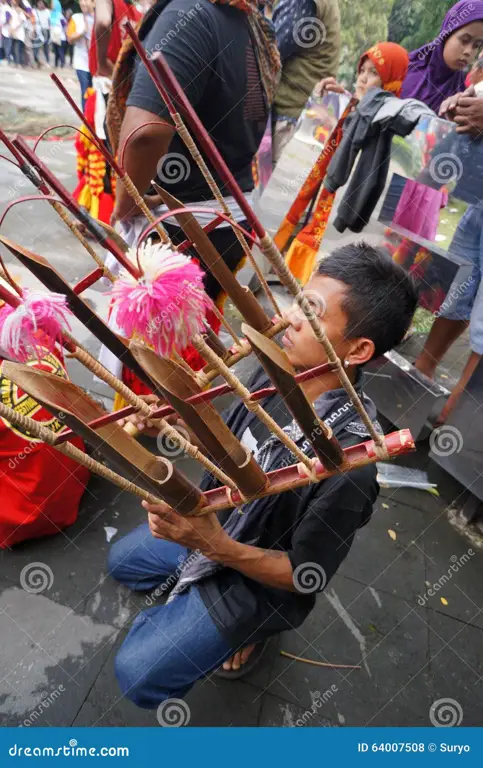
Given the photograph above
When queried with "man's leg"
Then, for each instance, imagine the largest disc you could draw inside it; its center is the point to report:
(168, 649)
(142, 562)
(454, 314)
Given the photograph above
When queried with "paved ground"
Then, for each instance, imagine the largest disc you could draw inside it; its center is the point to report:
(57, 649)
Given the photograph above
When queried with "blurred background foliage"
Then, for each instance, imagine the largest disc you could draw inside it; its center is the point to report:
(411, 23)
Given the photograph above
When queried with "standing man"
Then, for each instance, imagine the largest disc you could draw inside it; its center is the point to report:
(224, 55)
(308, 38)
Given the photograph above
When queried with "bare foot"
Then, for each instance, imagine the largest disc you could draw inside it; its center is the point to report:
(238, 659)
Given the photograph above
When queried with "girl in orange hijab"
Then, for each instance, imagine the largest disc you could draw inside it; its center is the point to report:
(383, 66)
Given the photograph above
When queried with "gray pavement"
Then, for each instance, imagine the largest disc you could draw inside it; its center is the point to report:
(57, 647)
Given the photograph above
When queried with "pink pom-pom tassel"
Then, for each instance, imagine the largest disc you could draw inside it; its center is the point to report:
(167, 306)
(33, 327)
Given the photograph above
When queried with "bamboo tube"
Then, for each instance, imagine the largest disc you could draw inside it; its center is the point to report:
(255, 407)
(273, 254)
(166, 429)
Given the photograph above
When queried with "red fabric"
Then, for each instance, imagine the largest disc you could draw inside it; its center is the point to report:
(121, 13)
(41, 488)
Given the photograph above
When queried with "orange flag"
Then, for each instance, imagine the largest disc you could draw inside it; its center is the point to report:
(311, 185)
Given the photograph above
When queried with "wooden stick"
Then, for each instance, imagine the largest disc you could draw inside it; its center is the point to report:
(172, 86)
(121, 173)
(199, 160)
(273, 254)
(255, 407)
(325, 445)
(93, 226)
(319, 663)
(165, 429)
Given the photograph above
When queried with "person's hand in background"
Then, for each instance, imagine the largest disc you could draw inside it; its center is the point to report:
(329, 85)
(468, 115)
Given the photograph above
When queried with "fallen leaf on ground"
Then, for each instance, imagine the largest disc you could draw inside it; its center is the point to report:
(385, 506)
(443, 600)
(392, 534)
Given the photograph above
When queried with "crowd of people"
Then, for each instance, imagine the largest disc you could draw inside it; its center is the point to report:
(240, 69)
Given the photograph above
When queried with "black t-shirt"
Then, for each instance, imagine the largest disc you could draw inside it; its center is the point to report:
(210, 50)
(315, 525)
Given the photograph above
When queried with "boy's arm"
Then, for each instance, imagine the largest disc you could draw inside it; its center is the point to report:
(204, 533)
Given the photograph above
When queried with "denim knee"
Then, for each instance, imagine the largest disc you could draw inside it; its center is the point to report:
(116, 561)
(145, 684)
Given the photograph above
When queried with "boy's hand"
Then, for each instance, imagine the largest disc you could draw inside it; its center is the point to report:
(204, 532)
(143, 423)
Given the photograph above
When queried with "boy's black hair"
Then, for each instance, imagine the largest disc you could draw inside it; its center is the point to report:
(381, 297)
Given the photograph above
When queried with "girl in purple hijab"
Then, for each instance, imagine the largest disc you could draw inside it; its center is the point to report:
(438, 69)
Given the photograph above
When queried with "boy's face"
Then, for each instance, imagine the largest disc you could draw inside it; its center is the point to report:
(302, 348)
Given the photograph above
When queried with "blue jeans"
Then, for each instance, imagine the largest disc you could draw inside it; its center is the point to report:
(169, 647)
(465, 302)
(7, 47)
(85, 82)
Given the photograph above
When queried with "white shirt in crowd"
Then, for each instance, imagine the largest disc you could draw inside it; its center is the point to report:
(4, 25)
(83, 25)
(44, 18)
(18, 22)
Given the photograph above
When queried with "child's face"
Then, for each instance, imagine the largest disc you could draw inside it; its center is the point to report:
(368, 77)
(326, 296)
(461, 48)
